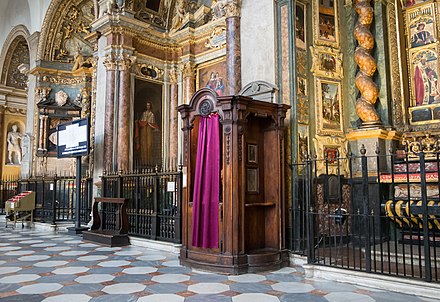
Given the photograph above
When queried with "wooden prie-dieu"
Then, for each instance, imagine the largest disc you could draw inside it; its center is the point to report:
(251, 202)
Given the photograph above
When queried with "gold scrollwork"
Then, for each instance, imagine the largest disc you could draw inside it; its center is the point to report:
(217, 39)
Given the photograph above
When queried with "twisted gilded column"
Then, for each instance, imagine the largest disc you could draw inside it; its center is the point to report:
(173, 117)
(233, 47)
(110, 66)
(367, 65)
(124, 109)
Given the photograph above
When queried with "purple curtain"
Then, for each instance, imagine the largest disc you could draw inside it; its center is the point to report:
(207, 184)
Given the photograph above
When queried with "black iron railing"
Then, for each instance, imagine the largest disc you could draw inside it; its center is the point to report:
(55, 197)
(154, 209)
(8, 189)
(374, 213)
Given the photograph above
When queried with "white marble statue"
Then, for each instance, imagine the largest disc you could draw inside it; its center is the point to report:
(14, 146)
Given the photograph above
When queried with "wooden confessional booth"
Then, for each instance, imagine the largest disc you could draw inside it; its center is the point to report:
(251, 207)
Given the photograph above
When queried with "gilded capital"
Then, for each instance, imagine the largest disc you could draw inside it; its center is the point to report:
(233, 8)
(173, 75)
(109, 62)
(125, 62)
(188, 69)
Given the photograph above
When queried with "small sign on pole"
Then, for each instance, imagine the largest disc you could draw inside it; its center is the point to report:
(73, 141)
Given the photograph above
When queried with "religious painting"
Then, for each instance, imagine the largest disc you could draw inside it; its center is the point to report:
(213, 75)
(425, 89)
(326, 26)
(421, 27)
(329, 107)
(331, 154)
(300, 26)
(147, 145)
(303, 110)
(327, 62)
(411, 3)
(303, 147)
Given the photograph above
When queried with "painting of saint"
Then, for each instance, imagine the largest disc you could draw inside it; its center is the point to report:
(215, 82)
(422, 33)
(425, 78)
(300, 27)
(212, 76)
(327, 27)
(147, 124)
(302, 86)
(330, 106)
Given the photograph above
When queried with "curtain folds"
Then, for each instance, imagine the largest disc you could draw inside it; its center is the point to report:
(207, 184)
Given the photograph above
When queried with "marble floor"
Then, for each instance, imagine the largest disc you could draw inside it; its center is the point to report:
(37, 266)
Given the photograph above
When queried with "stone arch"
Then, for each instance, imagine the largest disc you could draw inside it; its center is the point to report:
(53, 30)
(18, 35)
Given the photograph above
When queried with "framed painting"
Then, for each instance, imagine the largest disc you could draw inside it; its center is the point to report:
(327, 62)
(412, 3)
(147, 137)
(300, 26)
(329, 107)
(421, 26)
(212, 75)
(425, 89)
(326, 31)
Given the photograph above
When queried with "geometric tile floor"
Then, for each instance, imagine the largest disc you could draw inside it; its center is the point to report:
(37, 266)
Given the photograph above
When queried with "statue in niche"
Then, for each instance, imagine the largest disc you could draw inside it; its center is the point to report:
(144, 134)
(14, 146)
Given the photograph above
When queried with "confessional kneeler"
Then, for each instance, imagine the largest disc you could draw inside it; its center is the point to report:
(251, 203)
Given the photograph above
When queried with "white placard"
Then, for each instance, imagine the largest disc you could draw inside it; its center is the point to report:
(171, 186)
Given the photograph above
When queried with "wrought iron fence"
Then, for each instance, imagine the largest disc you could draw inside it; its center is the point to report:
(378, 213)
(55, 197)
(8, 189)
(154, 209)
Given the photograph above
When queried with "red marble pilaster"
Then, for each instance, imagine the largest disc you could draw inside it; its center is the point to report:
(173, 118)
(233, 48)
(189, 81)
(123, 155)
(109, 119)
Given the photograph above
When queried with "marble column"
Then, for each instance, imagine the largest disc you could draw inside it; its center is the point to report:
(233, 47)
(123, 155)
(174, 89)
(189, 84)
(110, 66)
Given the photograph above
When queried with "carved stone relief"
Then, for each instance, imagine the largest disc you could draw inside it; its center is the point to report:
(17, 55)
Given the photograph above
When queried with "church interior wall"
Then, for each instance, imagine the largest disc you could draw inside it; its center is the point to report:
(258, 41)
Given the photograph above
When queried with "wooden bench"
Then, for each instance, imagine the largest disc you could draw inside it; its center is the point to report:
(98, 233)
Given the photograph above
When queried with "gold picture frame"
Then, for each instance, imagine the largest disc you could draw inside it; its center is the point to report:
(326, 27)
(329, 107)
(327, 62)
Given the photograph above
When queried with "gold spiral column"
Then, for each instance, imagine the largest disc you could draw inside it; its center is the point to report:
(367, 65)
